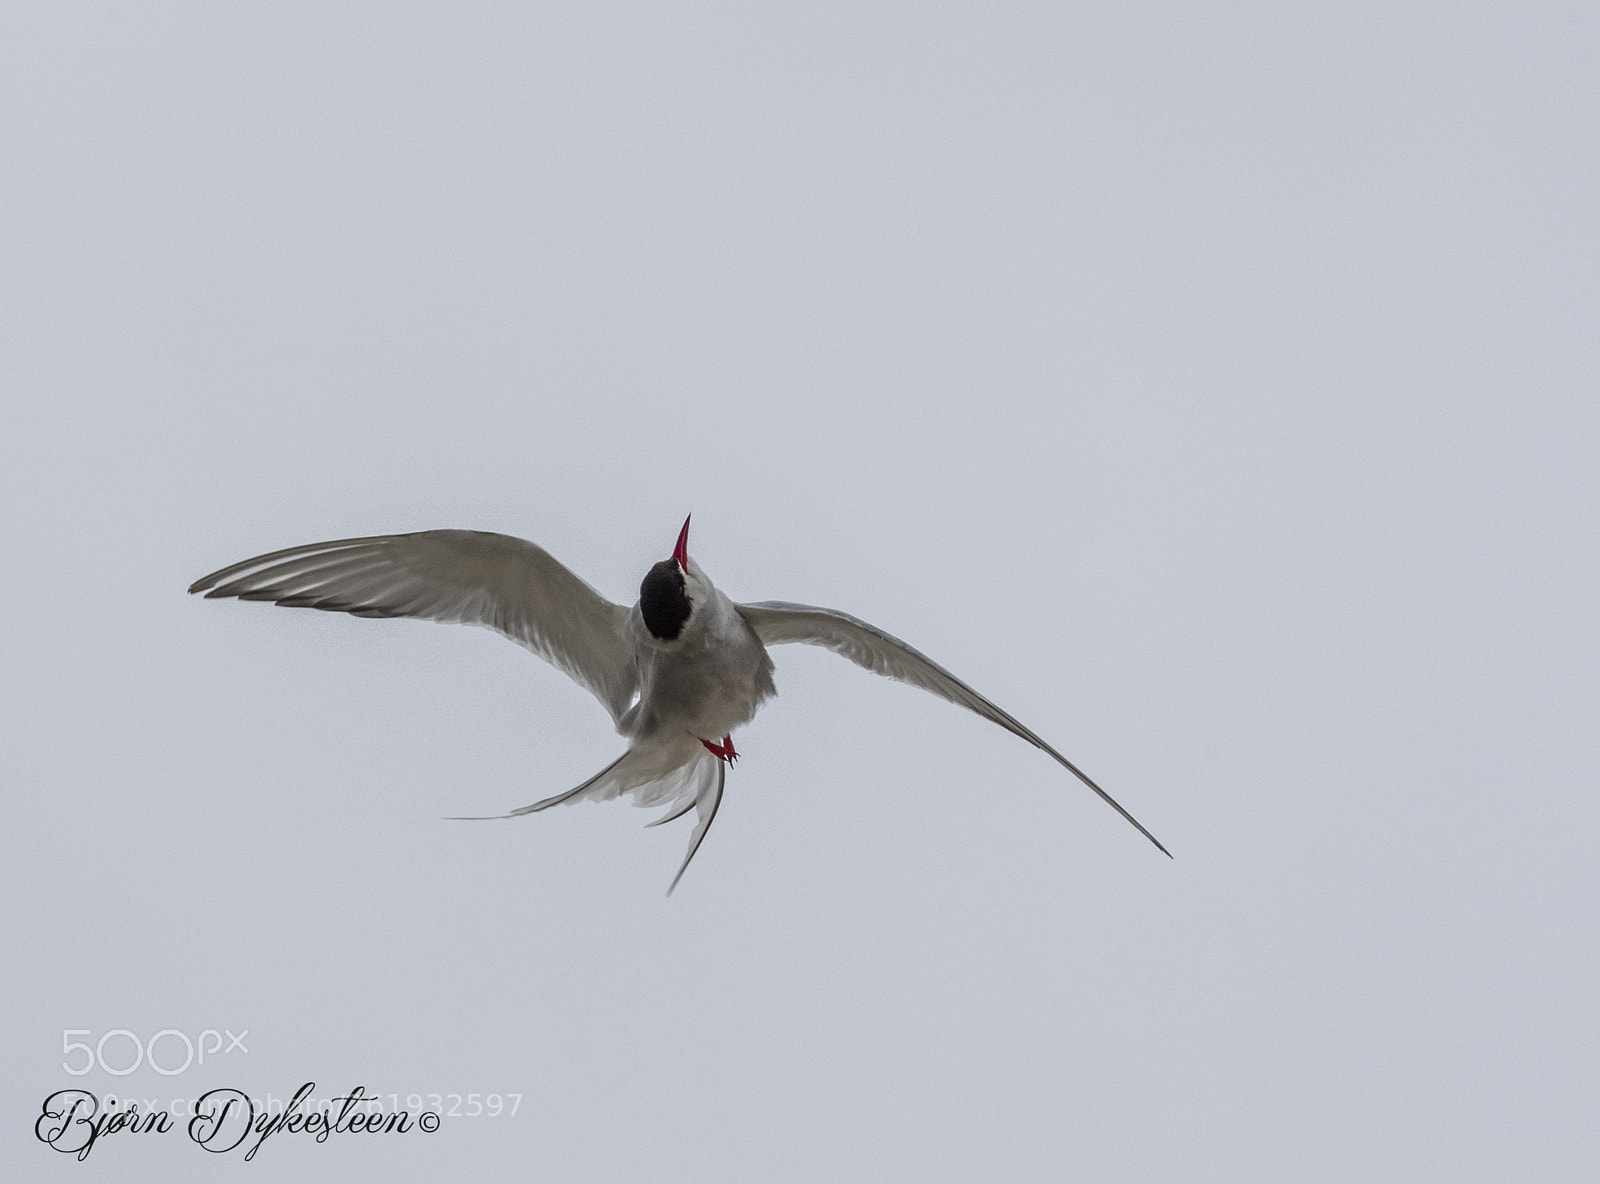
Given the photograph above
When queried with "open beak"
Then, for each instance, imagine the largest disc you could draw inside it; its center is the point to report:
(681, 551)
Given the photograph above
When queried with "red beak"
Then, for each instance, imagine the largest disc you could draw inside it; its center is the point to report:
(681, 551)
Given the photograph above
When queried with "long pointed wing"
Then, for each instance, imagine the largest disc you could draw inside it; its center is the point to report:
(777, 622)
(467, 576)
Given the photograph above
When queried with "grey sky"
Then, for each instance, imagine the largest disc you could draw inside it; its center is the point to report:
(1215, 390)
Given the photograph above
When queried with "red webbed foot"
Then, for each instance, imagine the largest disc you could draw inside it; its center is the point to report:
(723, 751)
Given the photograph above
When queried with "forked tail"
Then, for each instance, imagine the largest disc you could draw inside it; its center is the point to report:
(681, 776)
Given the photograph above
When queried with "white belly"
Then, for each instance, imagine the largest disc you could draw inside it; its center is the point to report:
(706, 684)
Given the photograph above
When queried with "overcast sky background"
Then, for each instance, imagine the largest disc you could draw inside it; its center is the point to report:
(1213, 388)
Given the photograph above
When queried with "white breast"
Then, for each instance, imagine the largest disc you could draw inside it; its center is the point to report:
(707, 682)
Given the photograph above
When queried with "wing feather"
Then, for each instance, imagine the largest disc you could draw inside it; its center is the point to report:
(779, 622)
(467, 576)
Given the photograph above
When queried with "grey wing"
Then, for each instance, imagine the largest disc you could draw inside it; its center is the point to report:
(467, 576)
(777, 622)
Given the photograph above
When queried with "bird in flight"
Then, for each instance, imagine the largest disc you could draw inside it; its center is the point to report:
(678, 672)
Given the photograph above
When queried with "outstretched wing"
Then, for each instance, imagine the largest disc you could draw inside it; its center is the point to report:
(777, 622)
(653, 775)
(467, 576)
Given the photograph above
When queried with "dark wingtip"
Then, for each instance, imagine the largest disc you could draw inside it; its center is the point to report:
(1145, 833)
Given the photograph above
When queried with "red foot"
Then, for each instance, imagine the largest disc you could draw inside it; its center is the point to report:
(723, 751)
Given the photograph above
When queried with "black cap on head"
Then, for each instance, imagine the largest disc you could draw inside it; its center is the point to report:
(664, 601)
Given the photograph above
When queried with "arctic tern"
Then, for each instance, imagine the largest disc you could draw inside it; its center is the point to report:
(678, 672)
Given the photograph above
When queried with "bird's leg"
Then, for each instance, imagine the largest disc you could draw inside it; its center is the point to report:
(723, 751)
